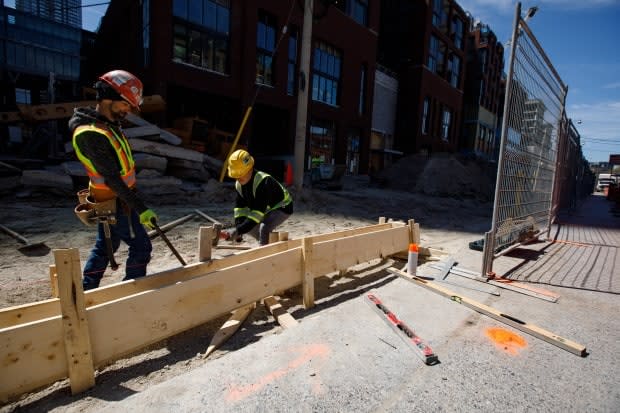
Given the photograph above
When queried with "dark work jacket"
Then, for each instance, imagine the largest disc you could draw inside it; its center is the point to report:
(268, 193)
(98, 149)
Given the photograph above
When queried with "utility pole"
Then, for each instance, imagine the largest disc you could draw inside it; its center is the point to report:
(302, 96)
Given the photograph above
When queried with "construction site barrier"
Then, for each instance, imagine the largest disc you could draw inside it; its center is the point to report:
(74, 334)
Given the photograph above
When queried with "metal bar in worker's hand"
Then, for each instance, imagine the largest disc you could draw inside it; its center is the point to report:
(167, 241)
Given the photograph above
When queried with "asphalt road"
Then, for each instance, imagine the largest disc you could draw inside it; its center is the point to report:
(343, 357)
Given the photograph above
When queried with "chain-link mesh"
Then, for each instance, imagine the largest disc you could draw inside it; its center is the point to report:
(528, 153)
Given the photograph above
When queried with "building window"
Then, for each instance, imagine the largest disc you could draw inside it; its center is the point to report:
(359, 11)
(353, 151)
(445, 124)
(454, 70)
(202, 40)
(322, 135)
(457, 32)
(265, 48)
(326, 74)
(362, 97)
(292, 63)
(438, 14)
(426, 113)
(146, 32)
(212, 14)
(22, 96)
(356, 9)
(433, 54)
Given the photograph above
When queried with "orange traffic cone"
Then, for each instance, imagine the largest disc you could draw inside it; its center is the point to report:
(288, 174)
(412, 259)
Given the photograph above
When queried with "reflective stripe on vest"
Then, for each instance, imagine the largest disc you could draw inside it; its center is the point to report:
(256, 215)
(123, 153)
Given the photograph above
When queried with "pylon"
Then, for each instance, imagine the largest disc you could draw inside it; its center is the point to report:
(412, 259)
(288, 174)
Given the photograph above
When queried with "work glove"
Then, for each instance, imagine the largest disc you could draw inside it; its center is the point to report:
(148, 218)
(231, 236)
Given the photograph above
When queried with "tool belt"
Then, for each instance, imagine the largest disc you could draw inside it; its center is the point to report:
(89, 211)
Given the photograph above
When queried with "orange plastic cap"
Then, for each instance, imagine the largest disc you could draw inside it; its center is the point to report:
(413, 247)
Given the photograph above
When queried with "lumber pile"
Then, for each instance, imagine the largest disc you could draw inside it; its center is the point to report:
(196, 155)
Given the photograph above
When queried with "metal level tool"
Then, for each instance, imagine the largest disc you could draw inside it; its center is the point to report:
(403, 331)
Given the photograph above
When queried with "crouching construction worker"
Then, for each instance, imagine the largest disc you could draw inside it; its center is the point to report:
(105, 153)
(262, 202)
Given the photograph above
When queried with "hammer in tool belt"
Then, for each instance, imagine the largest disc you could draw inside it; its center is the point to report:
(106, 221)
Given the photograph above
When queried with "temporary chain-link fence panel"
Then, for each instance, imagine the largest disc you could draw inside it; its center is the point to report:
(534, 108)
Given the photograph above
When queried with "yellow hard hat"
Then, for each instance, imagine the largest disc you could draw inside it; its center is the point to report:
(240, 163)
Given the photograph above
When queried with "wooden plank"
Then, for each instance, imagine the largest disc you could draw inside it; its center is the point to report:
(229, 328)
(516, 287)
(512, 321)
(279, 313)
(49, 308)
(345, 252)
(74, 321)
(157, 307)
(205, 242)
(32, 356)
(307, 280)
(154, 315)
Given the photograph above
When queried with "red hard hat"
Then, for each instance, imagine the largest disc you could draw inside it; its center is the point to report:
(125, 84)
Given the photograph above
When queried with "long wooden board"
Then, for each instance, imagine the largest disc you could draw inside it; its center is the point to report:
(31, 352)
(512, 321)
(26, 313)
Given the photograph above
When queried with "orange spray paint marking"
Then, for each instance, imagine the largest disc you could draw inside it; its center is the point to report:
(236, 393)
(506, 340)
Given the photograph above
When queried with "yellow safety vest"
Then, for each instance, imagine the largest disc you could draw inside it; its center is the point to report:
(98, 189)
(254, 214)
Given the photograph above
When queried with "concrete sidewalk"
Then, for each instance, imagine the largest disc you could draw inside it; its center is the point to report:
(342, 357)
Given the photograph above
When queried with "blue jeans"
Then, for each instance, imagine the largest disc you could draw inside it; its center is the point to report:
(139, 253)
(272, 220)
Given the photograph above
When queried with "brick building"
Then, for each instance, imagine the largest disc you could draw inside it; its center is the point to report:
(484, 91)
(424, 43)
(213, 58)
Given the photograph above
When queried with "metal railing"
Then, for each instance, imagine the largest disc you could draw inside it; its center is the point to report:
(533, 112)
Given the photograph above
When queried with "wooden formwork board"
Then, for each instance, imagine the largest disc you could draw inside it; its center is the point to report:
(48, 308)
(33, 354)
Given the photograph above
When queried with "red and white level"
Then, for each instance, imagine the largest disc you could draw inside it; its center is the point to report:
(404, 332)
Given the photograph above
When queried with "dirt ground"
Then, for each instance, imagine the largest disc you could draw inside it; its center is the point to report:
(447, 223)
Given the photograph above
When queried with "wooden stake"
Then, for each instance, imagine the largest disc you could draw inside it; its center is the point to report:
(205, 241)
(538, 332)
(307, 283)
(229, 327)
(74, 320)
(279, 313)
(54, 281)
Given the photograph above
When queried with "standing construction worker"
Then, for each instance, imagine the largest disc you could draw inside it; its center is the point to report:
(105, 153)
(262, 202)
